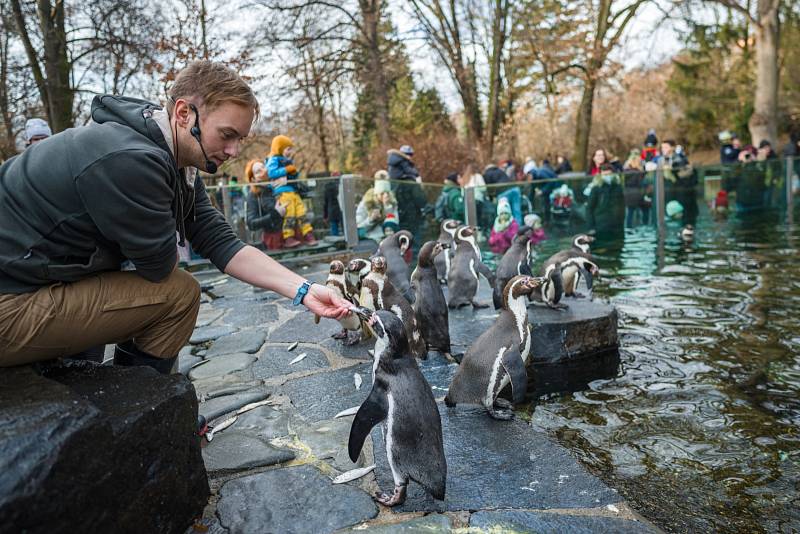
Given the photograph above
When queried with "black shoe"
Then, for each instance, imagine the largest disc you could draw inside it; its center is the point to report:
(94, 354)
(126, 354)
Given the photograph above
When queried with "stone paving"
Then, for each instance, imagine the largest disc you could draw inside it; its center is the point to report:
(272, 469)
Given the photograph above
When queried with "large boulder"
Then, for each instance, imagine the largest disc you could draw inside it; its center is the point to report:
(89, 448)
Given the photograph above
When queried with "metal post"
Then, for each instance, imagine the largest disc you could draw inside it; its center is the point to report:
(347, 192)
(660, 204)
(226, 203)
(470, 208)
(789, 190)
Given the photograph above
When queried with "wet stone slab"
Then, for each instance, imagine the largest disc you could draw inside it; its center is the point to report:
(248, 313)
(274, 361)
(207, 315)
(302, 328)
(585, 327)
(521, 521)
(249, 341)
(264, 422)
(220, 406)
(328, 441)
(429, 524)
(499, 464)
(235, 451)
(224, 365)
(209, 333)
(291, 500)
(439, 372)
(323, 395)
(359, 351)
(467, 325)
(186, 361)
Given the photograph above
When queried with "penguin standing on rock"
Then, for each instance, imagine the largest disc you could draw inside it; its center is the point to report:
(571, 271)
(552, 288)
(402, 398)
(579, 249)
(430, 306)
(350, 324)
(499, 356)
(394, 248)
(515, 261)
(462, 280)
(377, 292)
(442, 261)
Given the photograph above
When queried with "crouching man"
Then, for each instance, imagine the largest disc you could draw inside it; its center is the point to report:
(76, 206)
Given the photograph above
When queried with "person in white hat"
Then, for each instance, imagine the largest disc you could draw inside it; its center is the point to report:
(36, 130)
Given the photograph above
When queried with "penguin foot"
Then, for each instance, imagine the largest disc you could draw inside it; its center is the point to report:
(578, 295)
(398, 497)
(340, 335)
(501, 415)
(560, 306)
(504, 404)
(479, 305)
(351, 340)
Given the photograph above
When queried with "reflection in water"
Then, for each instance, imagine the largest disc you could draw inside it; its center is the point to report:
(699, 430)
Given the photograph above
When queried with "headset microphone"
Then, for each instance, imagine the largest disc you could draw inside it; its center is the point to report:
(211, 167)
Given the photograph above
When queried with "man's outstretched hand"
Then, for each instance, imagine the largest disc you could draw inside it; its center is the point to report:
(325, 303)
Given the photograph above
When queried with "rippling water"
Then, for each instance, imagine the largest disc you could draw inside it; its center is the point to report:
(699, 430)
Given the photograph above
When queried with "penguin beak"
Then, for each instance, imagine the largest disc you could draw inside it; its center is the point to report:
(444, 246)
(362, 312)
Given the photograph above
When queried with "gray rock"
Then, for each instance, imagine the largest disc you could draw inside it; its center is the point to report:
(522, 521)
(264, 422)
(274, 361)
(87, 448)
(208, 333)
(302, 328)
(186, 351)
(359, 351)
(231, 288)
(248, 341)
(186, 361)
(247, 313)
(234, 451)
(429, 524)
(439, 372)
(499, 464)
(224, 365)
(291, 500)
(328, 441)
(207, 315)
(323, 395)
(585, 327)
(214, 408)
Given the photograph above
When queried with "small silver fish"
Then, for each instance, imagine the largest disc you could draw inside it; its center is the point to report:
(358, 380)
(345, 413)
(198, 364)
(353, 474)
(220, 427)
(300, 357)
(293, 346)
(251, 406)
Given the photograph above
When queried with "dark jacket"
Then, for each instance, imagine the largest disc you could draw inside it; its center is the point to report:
(636, 184)
(261, 212)
(606, 208)
(331, 211)
(493, 174)
(86, 199)
(564, 166)
(410, 198)
(400, 166)
(728, 155)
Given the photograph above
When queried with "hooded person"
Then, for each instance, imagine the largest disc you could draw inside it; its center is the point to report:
(36, 130)
(504, 229)
(405, 185)
(533, 221)
(284, 175)
(450, 204)
(376, 214)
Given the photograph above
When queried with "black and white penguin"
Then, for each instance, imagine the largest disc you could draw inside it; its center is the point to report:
(551, 289)
(579, 249)
(401, 398)
(351, 325)
(430, 306)
(571, 271)
(378, 293)
(394, 248)
(687, 233)
(462, 280)
(442, 261)
(515, 261)
(499, 356)
(357, 269)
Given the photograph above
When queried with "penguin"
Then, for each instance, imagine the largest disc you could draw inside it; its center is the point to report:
(430, 306)
(394, 248)
(571, 271)
(401, 398)
(499, 356)
(378, 292)
(462, 280)
(337, 283)
(442, 261)
(551, 289)
(514, 262)
(687, 233)
(357, 269)
(579, 249)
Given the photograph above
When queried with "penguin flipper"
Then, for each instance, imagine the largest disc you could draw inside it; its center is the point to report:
(588, 276)
(371, 412)
(525, 268)
(485, 271)
(515, 367)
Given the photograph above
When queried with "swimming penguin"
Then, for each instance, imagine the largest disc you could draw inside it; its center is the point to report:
(571, 271)
(551, 289)
(394, 248)
(442, 261)
(402, 398)
(378, 293)
(462, 280)
(514, 262)
(498, 356)
(687, 233)
(350, 324)
(430, 307)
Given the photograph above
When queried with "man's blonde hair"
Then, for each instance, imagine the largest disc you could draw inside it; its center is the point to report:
(213, 84)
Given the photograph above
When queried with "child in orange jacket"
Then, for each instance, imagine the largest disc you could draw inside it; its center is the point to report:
(283, 175)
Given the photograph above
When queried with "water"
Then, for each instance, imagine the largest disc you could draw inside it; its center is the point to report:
(699, 430)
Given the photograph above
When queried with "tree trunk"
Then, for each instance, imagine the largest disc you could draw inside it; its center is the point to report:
(763, 122)
(583, 124)
(375, 75)
(468, 91)
(495, 79)
(57, 67)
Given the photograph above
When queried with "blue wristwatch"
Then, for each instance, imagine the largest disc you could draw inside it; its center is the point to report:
(302, 291)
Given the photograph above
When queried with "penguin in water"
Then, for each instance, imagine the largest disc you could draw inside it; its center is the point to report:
(571, 272)
(515, 261)
(402, 398)
(462, 280)
(430, 307)
(394, 248)
(551, 289)
(499, 356)
(351, 324)
(442, 261)
(687, 233)
(377, 292)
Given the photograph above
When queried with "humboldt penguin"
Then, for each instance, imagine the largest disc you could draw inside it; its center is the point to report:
(515, 261)
(499, 356)
(394, 248)
(442, 261)
(338, 285)
(551, 289)
(430, 306)
(579, 249)
(378, 293)
(462, 280)
(571, 271)
(402, 398)
(357, 269)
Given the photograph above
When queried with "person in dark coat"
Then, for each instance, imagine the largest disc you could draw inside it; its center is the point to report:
(637, 190)
(493, 174)
(411, 200)
(680, 179)
(728, 154)
(264, 212)
(606, 207)
(563, 165)
(331, 210)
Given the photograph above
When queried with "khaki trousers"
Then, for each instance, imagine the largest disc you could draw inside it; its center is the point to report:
(67, 318)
